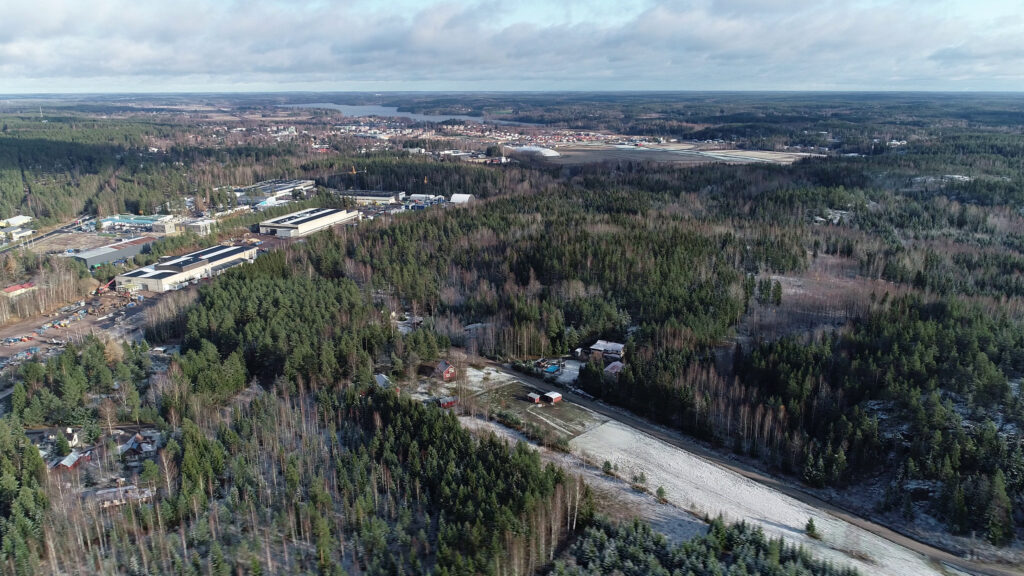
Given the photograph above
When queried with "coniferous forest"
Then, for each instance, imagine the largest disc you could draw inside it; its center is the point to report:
(851, 322)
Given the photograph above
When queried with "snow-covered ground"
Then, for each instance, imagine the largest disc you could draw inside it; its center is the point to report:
(617, 498)
(478, 380)
(570, 372)
(701, 487)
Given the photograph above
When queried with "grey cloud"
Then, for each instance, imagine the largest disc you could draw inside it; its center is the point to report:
(731, 44)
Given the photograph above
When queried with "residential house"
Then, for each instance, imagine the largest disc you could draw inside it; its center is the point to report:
(607, 351)
(445, 371)
(136, 449)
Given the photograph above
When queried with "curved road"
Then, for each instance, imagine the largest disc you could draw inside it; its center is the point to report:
(934, 554)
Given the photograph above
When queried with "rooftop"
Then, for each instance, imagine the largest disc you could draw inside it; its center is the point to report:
(116, 246)
(301, 217)
(174, 266)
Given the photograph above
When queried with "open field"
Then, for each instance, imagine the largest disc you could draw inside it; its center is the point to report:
(673, 152)
(617, 498)
(701, 487)
(694, 486)
(563, 419)
(79, 241)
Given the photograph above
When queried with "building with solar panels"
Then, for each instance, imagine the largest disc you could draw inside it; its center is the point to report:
(175, 272)
(306, 222)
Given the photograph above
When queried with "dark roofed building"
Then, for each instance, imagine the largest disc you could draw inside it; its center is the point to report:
(445, 371)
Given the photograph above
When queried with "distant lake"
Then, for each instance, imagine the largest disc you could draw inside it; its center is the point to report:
(391, 111)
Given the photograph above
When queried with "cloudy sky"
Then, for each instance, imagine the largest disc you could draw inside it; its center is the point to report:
(256, 45)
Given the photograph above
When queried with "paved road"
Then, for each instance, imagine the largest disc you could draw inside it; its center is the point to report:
(934, 554)
(30, 241)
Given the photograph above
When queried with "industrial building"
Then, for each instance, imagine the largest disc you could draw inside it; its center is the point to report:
(129, 221)
(306, 222)
(113, 252)
(174, 272)
(373, 196)
(426, 199)
(461, 198)
(201, 227)
(15, 221)
(15, 232)
(273, 190)
(166, 227)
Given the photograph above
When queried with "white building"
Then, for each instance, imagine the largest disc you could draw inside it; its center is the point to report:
(274, 191)
(373, 196)
(461, 198)
(173, 273)
(201, 227)
(306, 222)
(15, 221)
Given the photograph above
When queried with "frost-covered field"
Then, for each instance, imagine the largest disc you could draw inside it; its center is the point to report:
(617, 498)
(701, 487)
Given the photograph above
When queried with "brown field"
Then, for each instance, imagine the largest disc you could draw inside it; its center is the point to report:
(75, 240)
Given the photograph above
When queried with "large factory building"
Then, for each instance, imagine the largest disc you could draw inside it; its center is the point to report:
(306, 222)
(174, 272)
(113, 252)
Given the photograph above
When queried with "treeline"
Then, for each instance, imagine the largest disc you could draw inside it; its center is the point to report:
(636, 550)
(421, 175)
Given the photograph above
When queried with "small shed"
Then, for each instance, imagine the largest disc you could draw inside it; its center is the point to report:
(447, 401)
(553, 397)
(445, 371)
(612, 370)
(533, 397)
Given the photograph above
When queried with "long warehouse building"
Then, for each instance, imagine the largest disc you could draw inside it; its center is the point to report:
(113, 252)
(306, 222)
(373, 196)
(174, 272)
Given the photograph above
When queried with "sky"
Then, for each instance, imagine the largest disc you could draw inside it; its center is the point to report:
(71, 46)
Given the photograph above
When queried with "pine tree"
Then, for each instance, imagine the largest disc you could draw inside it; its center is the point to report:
(999, 515)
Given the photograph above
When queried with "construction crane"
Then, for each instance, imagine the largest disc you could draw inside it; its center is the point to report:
(104, 287)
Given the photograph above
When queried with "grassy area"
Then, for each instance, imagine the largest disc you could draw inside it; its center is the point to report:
(552, 424)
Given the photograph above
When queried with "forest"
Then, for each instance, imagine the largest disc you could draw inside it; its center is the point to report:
(849, 321)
